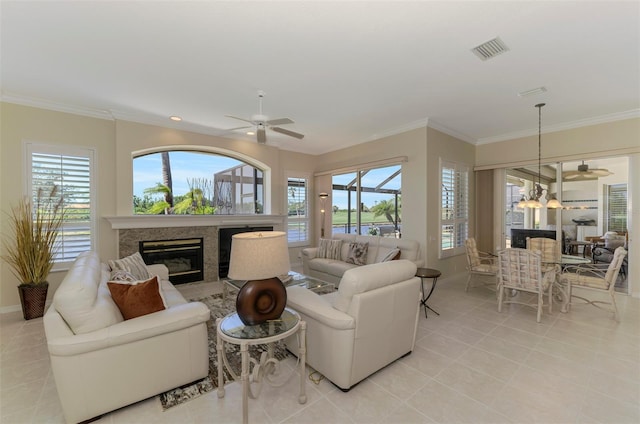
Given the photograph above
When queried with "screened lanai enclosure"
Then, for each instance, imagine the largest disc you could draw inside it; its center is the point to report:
(368, 202)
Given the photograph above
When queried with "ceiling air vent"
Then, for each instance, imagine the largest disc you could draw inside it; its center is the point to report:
(491, 48)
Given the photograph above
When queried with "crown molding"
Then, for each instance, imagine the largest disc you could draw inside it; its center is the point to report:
(453, 133)
(603, 119)
(165, 122)
(144, 118)
(55, 106)
(421, 123)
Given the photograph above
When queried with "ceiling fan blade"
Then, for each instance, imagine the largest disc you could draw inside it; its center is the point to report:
(289, 133)
(571, 175)
(280, 121)
(262, 137)
(240, 119)
(601, 172)
(240, 128)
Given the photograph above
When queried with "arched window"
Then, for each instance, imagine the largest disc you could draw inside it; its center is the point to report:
(196, 183)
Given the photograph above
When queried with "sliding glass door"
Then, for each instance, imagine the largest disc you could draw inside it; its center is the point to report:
(593, 197)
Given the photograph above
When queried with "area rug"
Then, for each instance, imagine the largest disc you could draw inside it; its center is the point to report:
(219, 308)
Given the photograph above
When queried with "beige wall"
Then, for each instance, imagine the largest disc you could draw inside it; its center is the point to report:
(412, 144)
(114, 142)
(445, 147)
(603, 140)
(484, 194)
(22, 123)
(620, 138)
(299, 164)
(133, 138)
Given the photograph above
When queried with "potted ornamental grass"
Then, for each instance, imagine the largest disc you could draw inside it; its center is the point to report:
(30, 247)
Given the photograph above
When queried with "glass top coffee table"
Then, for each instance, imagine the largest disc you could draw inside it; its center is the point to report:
(291, 279)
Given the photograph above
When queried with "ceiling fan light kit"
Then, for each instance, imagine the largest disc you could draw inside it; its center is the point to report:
(262, 123)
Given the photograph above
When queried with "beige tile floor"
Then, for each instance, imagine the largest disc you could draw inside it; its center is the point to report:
(471, 364)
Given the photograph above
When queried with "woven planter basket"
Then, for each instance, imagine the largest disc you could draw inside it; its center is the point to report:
(33, 298)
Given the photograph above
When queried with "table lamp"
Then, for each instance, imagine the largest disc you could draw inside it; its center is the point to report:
(259, 258)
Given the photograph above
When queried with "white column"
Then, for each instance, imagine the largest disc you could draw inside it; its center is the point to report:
(633, 224)
(499, 208)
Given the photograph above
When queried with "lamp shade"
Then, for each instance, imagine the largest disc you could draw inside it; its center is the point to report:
(259, 255)
(554, 203)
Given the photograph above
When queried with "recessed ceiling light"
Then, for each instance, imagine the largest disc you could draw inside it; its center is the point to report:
(532, 92)
(175, 118)
(251, 133)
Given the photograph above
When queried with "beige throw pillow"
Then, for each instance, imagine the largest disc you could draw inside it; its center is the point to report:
(134, 264)
(329, 249)
(357, 253)
(392, 255)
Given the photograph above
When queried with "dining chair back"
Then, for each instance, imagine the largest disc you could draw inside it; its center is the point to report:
(522, 270)
(480, 264)
(550, 249)
(597, 277)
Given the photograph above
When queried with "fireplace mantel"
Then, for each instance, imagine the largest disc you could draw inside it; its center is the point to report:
(164, 221)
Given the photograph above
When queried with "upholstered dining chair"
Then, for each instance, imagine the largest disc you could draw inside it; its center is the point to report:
(480, 264)
(596, 277)
(522, 270)
(550, 249)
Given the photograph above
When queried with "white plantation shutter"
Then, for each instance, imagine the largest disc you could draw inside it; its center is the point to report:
(454, 208)
(297, 210)
(71, 170)
(617, 207)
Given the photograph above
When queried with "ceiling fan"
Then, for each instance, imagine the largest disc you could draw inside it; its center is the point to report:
(262, 123)
(584, 173)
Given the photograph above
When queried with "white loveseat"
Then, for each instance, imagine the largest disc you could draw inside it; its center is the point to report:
(331, 270)
(368, 323)
(101, 362)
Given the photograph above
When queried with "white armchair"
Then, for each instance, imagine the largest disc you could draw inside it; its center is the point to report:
(368, 323)
(101, 362)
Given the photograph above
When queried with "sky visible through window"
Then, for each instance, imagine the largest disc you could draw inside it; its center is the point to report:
(372, 179)
(147, 170)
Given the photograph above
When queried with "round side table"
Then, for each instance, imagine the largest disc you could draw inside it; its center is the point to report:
(428, 273)
(231, 329)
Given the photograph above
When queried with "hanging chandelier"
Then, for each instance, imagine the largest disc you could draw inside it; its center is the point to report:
(533, 201)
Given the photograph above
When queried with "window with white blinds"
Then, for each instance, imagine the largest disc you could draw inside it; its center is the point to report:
(454, 208)
(70, 169)
(617, 207)
(297, 210)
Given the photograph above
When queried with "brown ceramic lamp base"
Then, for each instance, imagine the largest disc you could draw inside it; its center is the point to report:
(259, 301)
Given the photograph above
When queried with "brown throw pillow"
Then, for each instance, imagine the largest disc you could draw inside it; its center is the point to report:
(135, 300)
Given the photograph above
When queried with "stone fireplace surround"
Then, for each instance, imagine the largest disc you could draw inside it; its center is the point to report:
(133, 229)
(128, 241)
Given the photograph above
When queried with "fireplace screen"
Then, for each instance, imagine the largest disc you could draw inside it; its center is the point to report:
(183, 257)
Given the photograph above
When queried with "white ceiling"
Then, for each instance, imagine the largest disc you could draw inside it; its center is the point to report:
(345, 72)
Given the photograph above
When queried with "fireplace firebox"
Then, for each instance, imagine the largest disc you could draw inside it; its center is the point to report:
(183, 257)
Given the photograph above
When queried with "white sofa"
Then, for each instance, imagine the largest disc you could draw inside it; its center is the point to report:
(101, 362)
(331, 270)
(368, 323)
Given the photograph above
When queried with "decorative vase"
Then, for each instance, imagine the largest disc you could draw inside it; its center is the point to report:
(33, 298)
